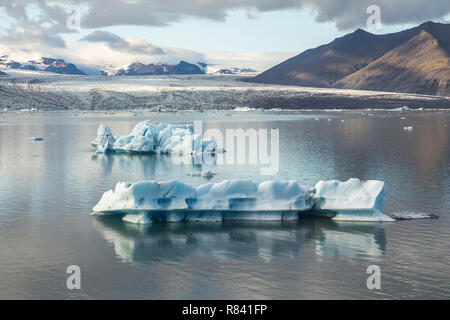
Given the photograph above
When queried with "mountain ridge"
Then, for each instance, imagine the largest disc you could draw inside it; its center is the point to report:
(44, 64)
(414, 66)
(328, 64)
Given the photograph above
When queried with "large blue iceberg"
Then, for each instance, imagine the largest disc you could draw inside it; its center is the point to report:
(147, 137)
(175, 201)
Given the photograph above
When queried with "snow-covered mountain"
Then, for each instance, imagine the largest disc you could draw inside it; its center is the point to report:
(135, 69)
(223, 69)
(141, 69)
(44, 64)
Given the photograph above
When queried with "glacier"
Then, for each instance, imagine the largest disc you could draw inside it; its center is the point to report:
(174, 201)
(147, 137)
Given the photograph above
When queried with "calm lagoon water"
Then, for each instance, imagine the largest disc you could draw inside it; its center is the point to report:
(48, 188)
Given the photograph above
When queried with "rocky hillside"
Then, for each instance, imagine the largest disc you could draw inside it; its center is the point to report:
(420, 65)
(414, 61)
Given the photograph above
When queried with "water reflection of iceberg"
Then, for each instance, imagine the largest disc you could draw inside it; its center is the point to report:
(150, 165)
(239, 240)
(351, 240)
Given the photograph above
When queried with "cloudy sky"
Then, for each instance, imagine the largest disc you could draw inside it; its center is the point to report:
(247, 33)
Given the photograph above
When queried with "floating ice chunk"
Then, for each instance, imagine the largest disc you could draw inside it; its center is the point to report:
(244, 200)
(105, 139)
(207, 174)
(410, 128)
(351, 200)
(404, 108)
(227, 200)
(414, 215)
(361, 215)
(244, 109)
(36, 139)
(155, 138)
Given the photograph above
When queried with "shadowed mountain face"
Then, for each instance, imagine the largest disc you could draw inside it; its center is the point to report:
(60, 66)
(345, 62)
(421, 65)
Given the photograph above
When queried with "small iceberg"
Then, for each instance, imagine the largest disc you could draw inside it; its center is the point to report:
(175, 201)
(404, 108)
(147, 137)
(207, 174)
(36, 139)
(244, 109)
(414, 215)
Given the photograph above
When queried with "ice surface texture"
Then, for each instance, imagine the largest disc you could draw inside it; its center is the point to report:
(352, 199)
(172, 201)
(156, 138)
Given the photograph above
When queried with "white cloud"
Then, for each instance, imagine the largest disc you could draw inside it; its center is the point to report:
(34, 27)
(259, 61)
(115, 42)
(347, 14)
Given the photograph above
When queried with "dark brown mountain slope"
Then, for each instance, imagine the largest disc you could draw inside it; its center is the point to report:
(324, 66)
(421, 65)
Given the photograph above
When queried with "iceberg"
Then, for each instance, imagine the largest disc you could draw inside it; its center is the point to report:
(36, 139)
(244, 109)
(105, 139)
(351, 200)
(404, 108)
(173, 201)
(147, 137)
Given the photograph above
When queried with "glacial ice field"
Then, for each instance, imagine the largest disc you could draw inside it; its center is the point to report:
(24, 89)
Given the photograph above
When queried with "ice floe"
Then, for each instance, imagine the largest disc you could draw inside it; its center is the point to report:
(154, 138)
(244, 109)
(36, 139)
(173, 201)
(414, 215)
(404, 108)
